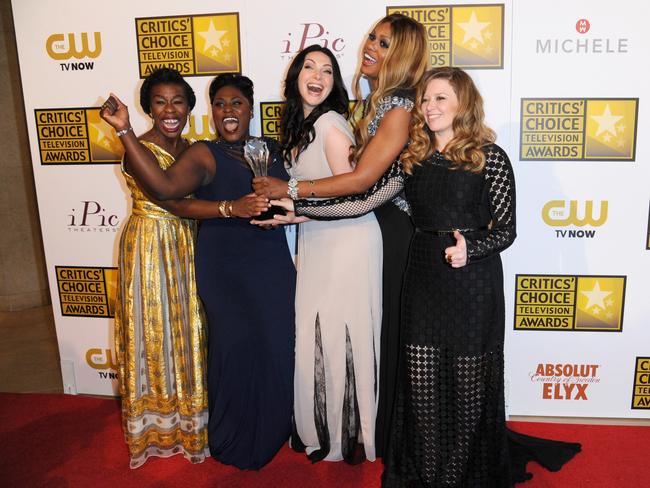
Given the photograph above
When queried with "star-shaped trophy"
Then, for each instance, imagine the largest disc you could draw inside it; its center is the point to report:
(256, 154)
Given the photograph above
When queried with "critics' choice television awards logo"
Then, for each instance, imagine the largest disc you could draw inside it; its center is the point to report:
(102, 360)
(575, 219)
(578, 129)
(582, 41)
(195, 45)
(565, 381)
(641, 392)
(87, 291)
(91, 216)
(466, 36)
(72, 49)
(564, 302)
(76, 136)
(271, 115)
(311, 33)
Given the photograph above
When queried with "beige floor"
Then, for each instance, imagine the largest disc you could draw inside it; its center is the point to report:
(29, 361)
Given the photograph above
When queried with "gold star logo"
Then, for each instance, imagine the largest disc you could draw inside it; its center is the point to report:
(473, 28)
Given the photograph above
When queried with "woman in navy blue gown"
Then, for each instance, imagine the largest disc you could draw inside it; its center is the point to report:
(245, 278)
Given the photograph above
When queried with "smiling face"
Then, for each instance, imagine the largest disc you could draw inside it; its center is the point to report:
(440, 107)
(375, 50)
(169, 109)
(315, 80)
(231, 113)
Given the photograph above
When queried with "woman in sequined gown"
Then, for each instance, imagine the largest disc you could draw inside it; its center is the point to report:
(159, 326)
(394, 59)
(245, 278)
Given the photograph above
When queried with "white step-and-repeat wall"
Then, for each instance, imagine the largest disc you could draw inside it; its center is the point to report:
(565, 85)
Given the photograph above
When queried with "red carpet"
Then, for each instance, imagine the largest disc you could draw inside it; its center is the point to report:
(73, 441)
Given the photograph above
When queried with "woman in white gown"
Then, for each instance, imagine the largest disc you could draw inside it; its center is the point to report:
(338, 291)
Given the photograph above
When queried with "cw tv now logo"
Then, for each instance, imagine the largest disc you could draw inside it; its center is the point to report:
(62, 47)
(570, 216)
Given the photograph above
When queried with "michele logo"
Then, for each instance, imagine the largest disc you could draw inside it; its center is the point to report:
(585, 44)
(583, 26)
(309, 33)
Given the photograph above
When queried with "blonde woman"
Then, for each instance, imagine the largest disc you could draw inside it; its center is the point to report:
(449, 428)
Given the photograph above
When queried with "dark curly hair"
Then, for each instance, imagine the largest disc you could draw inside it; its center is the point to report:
(241, 82)
(164, 76)
(298, 131)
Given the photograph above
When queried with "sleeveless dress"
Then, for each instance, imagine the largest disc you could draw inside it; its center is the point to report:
(159, 332)
(246, 280)
(396, 230)
(338, 320)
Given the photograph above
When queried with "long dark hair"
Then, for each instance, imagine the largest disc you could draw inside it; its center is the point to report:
(298, 131)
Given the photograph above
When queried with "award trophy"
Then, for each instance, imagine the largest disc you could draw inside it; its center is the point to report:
(256, 154)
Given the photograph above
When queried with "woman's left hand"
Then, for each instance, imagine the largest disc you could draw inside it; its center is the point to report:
(270, 187)
(456, 256)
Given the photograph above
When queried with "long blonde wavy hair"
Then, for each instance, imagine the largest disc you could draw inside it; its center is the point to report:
(470, 131)
(404, 64)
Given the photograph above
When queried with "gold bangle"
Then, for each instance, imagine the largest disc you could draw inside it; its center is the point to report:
(222, 209)
(230, 202)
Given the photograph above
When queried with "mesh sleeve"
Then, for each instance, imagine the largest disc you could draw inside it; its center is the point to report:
(385, 189)
(501, 187)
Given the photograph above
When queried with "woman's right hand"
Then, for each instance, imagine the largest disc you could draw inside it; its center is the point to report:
(270, 187)
(115, 113)
(249, 205)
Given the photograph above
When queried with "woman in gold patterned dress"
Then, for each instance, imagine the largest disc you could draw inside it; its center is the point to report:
(160, 336)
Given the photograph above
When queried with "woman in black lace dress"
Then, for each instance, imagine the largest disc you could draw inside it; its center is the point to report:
(449, 427)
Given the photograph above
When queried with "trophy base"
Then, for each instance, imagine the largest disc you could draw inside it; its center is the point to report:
(274, 210)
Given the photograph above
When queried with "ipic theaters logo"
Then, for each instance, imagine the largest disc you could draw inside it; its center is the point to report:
(308, 34)
(76, 136)
(466, 36)
(565, 302)
(64, 47)
(195, 45)
(87, 291)
(578, 129)
(568, 217)
(91, 216)
(581, 42)
(641, 395)
(565, 381)
(102, 360)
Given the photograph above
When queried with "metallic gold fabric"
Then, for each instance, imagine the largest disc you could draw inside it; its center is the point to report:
(160, 333)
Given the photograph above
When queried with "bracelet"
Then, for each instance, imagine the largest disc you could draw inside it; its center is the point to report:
(292, 189)
(312, 193)
(222, 208)
(122, 132)
(230, 202)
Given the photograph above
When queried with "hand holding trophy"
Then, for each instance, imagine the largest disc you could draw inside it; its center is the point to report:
(256, 154)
